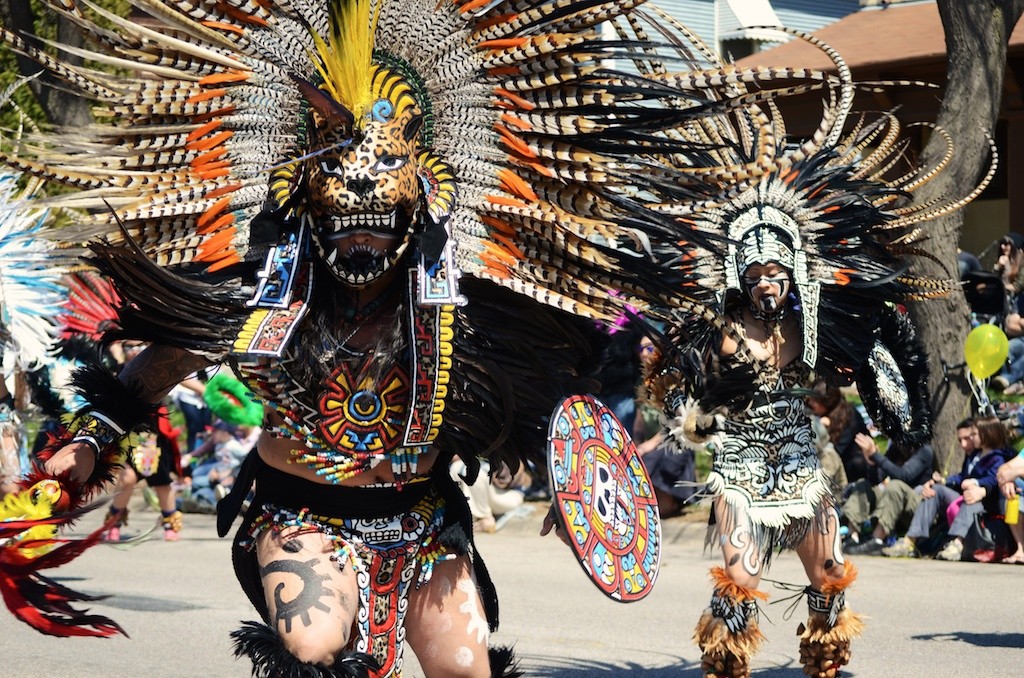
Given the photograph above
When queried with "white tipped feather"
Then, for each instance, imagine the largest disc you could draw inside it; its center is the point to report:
(30, 288)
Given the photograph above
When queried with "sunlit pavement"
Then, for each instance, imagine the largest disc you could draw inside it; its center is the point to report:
(179, 601)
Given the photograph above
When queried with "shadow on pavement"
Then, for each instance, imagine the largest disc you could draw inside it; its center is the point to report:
(1008, 640)
(147, 604)
(548, 667)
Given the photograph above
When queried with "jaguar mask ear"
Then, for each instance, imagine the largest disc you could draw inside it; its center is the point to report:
(334, 115)
(413, 128)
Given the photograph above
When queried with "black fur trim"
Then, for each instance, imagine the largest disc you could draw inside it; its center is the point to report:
(905, 415)
(114, 399)
(270, 659)
(503, 662)
(514, 361)
(186, 311)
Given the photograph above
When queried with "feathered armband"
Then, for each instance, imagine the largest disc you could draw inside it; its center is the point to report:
(114, 412)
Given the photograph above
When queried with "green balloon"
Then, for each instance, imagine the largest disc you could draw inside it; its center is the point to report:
(985, 350)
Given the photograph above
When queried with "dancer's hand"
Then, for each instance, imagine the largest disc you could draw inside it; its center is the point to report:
(551, 522)
(77, 459)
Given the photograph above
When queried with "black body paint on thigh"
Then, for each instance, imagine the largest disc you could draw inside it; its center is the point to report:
(313, 590)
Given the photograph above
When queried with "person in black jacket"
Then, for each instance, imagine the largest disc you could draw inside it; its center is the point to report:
(889, 492)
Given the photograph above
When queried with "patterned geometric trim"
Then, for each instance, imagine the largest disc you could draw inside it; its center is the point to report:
(829, 606)
(96, 430)
(432, 362)
(735, 614)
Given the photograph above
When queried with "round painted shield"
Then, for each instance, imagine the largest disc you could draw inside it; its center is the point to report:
(604, 498)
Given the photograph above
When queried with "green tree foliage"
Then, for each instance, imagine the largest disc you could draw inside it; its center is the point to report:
(43, 104)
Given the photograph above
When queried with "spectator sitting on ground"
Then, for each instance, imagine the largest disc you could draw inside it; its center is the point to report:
(188, 397)
(491, 496)
(967, 263)
(1008, 264)
(829, 460)
(976, 483)
(888, 496)
(1010, 379)
(211, 477)
(1010, 477)
(843, 422)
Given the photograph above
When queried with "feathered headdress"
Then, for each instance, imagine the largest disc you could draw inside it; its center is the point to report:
(836, 209)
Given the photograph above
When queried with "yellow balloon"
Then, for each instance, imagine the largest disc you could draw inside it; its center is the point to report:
(985, 350)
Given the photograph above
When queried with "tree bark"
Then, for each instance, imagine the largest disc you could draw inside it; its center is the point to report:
(977, 33)
(62, 108)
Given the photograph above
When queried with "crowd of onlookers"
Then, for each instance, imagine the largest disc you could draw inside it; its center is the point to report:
(902, 507)
(900, 503)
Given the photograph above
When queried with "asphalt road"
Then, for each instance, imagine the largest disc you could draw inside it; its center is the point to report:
(179, 601)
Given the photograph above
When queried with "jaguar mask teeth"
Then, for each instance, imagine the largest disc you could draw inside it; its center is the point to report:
(340, 225)
(362, 263)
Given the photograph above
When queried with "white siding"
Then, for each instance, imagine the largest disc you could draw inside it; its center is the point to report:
(810, 15)
(698, 15)
(805, 15)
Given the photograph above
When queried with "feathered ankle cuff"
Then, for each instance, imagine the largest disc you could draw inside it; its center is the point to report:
(270, 658)
(825, 639)
(727, 633)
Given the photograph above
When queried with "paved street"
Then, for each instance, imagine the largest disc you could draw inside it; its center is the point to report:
(179, 601)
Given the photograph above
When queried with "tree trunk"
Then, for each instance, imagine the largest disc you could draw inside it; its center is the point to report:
(62, 108)
(977, 33)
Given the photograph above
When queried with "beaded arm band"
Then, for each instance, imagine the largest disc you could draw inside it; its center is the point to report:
(96, 430)
(97, 425)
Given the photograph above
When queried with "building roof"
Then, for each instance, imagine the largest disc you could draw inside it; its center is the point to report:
(872, 38)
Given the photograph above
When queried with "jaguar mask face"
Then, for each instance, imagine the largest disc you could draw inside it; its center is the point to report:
(363, 196)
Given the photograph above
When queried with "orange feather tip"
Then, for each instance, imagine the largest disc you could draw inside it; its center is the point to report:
(515, 99)
(217, 224)
(472, 5)
(514, 184)
(497, 224)
(220, 25)
(230, 260)
(842, 276)
(226, 76)
(223, 190)
(503, 43)
(202, 144)
(505, 201)
(514, 142)
(502, 71)
(212, 211)
(240, 15)
(203, 130)
(514, 121)
(207, 95)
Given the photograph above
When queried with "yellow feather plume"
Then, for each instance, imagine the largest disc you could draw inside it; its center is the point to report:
(345, 64)
(35, 503)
